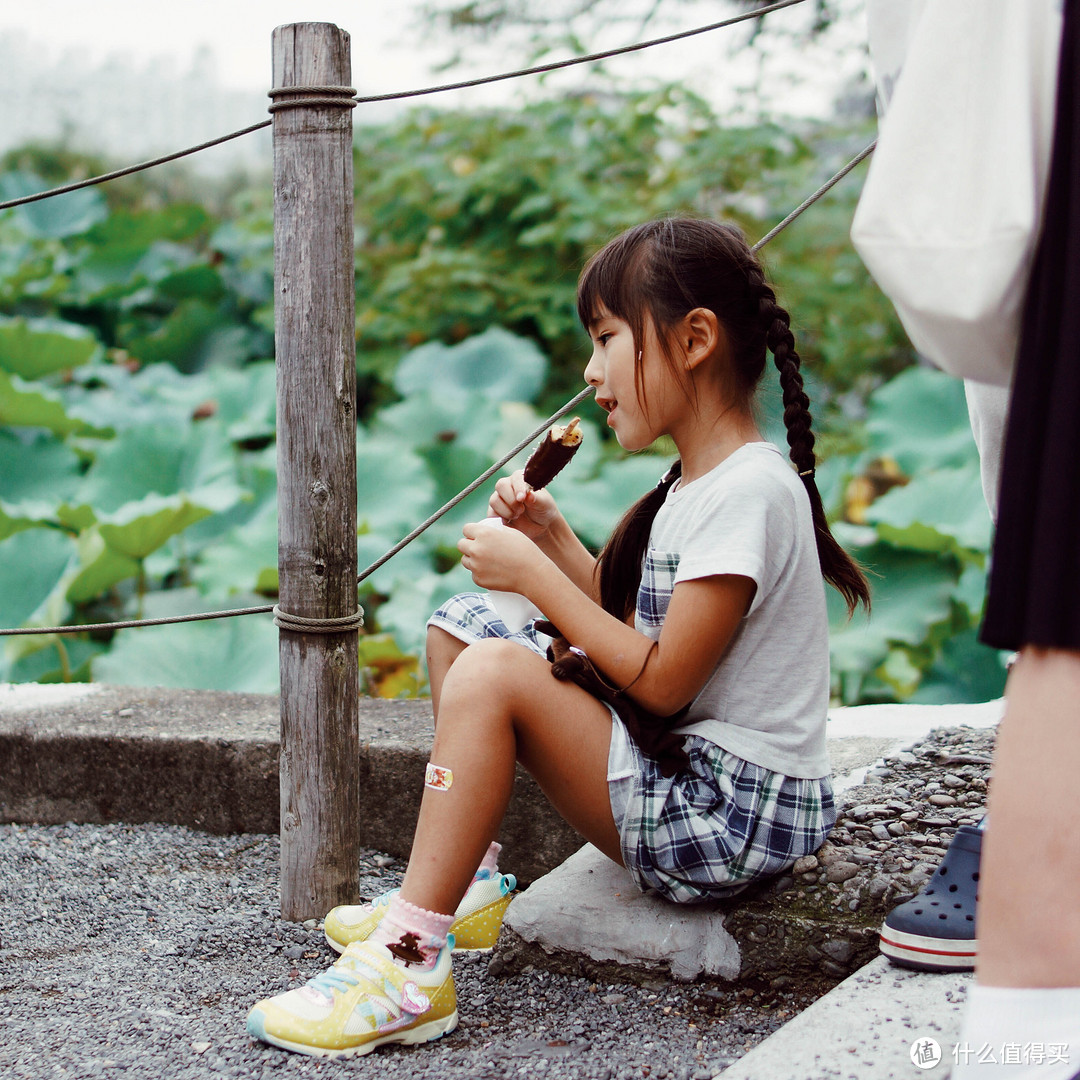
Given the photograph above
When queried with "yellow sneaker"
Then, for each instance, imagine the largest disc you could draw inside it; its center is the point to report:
(476, 925)
(365, 1000)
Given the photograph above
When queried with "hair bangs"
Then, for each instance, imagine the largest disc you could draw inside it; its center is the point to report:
(614, 282)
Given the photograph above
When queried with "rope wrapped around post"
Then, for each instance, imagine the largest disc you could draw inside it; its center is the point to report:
(285, 620)
(342, 96)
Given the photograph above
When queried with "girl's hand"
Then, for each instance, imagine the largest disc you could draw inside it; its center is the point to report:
(498, 558)
(529, 512)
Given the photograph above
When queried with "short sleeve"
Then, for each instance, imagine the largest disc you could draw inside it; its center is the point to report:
(743, 529)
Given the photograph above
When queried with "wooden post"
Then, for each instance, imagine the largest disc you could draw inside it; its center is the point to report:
(314, 329)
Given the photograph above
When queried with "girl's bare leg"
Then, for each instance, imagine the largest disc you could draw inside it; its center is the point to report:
(500, 705)
(442, 650)
(1029, 885)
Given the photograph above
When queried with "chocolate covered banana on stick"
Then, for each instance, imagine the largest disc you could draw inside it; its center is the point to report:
(552, 453)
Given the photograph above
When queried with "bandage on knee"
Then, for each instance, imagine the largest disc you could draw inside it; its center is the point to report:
(438, 778)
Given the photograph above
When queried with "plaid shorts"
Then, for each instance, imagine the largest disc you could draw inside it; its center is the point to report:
(710, 831)
(704, 834)
(471, 616)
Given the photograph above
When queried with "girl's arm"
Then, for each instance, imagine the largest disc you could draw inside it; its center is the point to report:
(702, 616)
(562, 546)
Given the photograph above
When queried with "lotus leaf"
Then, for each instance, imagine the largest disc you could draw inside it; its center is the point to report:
(32, 348)
(239, 654)
(495, 364)
(938, 511)
(920, 420)
(56, 217)
(33, 564)
(911, 594)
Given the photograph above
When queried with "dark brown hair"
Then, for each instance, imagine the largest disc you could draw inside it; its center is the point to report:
(662, 270)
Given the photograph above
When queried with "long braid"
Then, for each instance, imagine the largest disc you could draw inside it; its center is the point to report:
(837, 567)
(660, 270)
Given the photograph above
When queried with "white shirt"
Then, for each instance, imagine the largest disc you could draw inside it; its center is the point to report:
(768, 697)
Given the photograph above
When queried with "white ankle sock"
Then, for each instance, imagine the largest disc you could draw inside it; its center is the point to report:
(1013, 1033)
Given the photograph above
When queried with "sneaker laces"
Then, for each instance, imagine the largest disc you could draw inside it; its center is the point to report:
(333, 978)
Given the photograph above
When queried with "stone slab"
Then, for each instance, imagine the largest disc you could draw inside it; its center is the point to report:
(864, 1029)
(208, 760)
(590, 906)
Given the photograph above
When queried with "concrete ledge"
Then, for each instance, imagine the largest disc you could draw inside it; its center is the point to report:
(864, 1029)
(208, 760)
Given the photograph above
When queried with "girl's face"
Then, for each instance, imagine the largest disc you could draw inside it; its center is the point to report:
(612, 369)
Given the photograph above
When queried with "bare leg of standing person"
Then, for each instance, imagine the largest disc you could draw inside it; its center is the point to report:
(1028, 971)
(1029, 914)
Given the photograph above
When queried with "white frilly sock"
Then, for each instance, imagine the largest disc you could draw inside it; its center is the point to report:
(405, 924)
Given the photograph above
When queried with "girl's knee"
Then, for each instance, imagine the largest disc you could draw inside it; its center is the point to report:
(494, 670)
(496, 656)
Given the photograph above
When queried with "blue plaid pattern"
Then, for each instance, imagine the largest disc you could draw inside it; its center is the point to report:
(712, 830)
(657, 585)
(471, 616)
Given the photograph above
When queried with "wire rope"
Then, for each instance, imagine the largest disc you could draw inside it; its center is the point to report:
(401, 95)
(463, 494)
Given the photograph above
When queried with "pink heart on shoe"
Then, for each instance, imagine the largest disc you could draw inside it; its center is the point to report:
(413, 1000)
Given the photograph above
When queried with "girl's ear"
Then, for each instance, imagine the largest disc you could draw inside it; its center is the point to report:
(699, 335)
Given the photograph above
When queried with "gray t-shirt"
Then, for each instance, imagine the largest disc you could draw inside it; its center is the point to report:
(768, 698)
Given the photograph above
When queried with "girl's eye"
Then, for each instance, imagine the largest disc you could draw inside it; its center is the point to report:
(605, 337)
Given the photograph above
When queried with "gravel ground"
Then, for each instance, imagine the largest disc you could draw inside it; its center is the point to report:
(137, 950)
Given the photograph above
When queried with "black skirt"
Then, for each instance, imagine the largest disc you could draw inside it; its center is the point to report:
(1034, 591)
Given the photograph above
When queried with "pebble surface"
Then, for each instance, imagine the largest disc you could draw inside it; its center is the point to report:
(136, 951)
(894, 828)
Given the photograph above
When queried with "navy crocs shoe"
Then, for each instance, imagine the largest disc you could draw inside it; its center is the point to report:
(935, 930)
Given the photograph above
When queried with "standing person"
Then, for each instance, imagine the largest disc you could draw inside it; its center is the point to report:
(1027, 989)
(1008, 73)
(704, 615)
(935, 929)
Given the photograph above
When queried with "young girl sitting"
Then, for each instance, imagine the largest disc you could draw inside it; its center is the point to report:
(705, 608)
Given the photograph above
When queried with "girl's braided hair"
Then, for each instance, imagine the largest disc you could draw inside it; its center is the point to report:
(662, 270)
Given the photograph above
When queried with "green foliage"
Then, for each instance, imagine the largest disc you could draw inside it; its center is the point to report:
(137, 396)
(925, 544)
(223, 654)
(469, 219)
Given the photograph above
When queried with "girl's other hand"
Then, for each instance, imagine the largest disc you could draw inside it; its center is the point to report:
(530, 512)
(498, 558)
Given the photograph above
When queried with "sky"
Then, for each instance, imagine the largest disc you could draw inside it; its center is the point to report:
(237, 31)
(387, 52)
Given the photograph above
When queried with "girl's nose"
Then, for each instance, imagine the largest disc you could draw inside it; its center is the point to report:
(593, 372)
